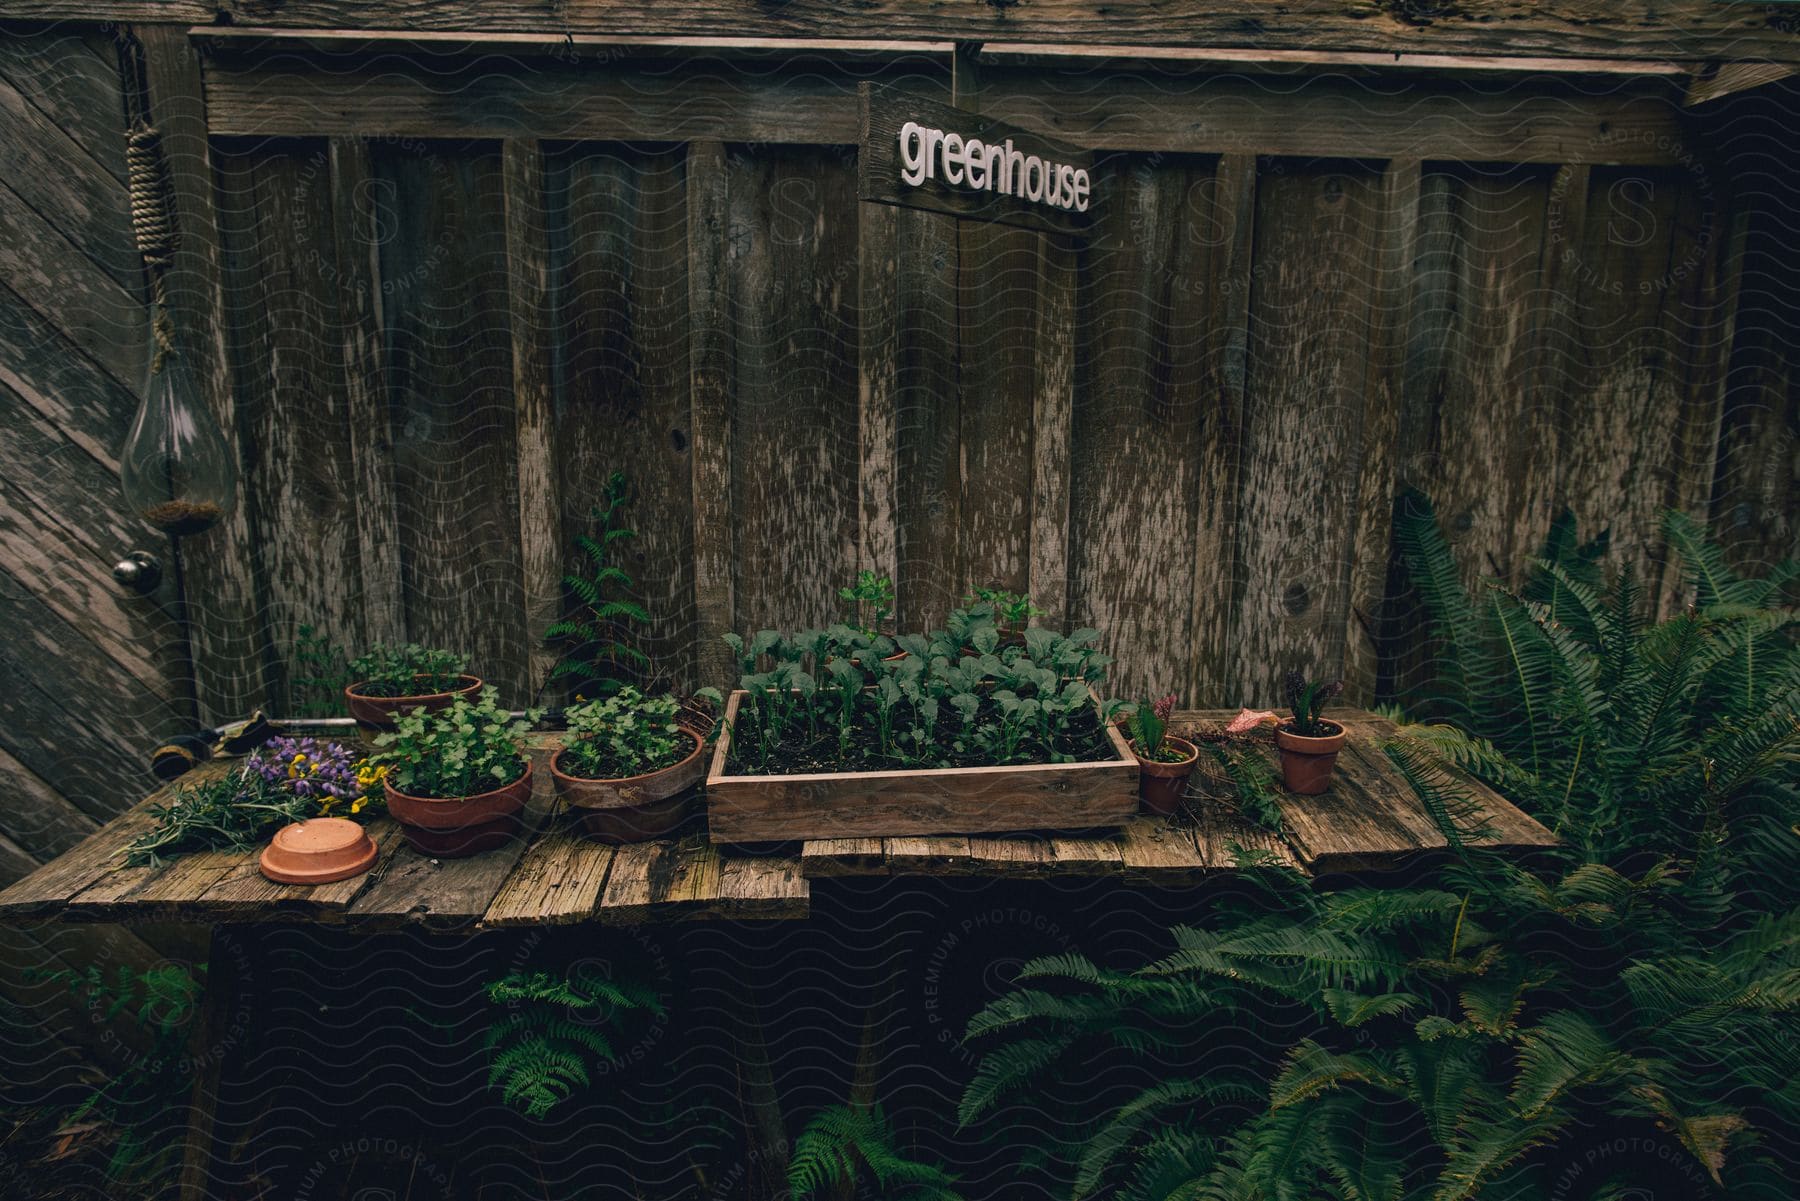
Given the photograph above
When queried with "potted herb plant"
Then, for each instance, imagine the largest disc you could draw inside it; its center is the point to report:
(457, 777)
(392, 680)
(1164, 761)
(628, 765)
(1308, 743)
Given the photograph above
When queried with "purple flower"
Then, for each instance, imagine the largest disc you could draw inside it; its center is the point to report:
(307, 767)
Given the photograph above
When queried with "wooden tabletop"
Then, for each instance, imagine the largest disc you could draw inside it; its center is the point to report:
(553, 874)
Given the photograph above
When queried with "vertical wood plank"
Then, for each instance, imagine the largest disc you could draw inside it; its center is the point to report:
(1225, 305)
(1369, 537)
(794, 497)
(619, 259)
(1052, 418)
(1309, 348)
(710, 372)
(929, 418)
(225, 626)
(529, 320)
(877, 388)
(444, 279)
(356, 252)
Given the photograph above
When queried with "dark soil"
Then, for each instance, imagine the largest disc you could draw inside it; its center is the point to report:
(1085, 742)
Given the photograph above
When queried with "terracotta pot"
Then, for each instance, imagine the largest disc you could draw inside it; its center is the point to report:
(451, 827)
(1162, 785)
(633, 808)
(320, 850)
(1306, 763)
(383, 712)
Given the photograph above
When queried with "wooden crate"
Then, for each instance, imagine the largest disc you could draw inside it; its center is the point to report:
(888, 804)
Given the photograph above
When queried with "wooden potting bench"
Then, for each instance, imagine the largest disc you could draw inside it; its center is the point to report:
(1369, 821)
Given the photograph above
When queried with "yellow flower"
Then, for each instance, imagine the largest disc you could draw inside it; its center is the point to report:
(359, 804)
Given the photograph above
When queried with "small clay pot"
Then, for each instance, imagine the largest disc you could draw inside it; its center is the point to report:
(452, 827)
(1306, 763)
(1162, 785)
(384, 712)
(633, 808)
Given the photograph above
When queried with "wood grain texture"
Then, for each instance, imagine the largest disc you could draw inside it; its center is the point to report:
(1138, 427)
(282, 325)
(877, 389)
(711, 383)
(928, 419)
(529, 324)
(1316, 231)
(1597, 28)
(792, 264)
(1052, 429)
(559, 879)
(356, 252)
(620, 353)
(444, 280)
(73, 79)
(224, 621)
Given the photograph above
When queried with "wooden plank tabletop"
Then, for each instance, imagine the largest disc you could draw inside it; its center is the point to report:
(553, 874)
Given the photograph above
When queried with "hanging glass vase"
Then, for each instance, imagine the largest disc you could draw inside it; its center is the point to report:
(176, 469)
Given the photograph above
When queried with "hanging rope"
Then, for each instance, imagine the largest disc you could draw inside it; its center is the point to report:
(153, 223)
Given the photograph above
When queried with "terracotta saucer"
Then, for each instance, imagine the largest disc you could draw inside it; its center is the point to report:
(317, 852)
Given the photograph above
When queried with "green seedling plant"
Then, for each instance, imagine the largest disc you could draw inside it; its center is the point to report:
(464, 750)
(320, 675)
(871, 601)
(1011, 609)
(391, 669)
(598, 654)
(833, 699)
(1307, 699)
(622, 735)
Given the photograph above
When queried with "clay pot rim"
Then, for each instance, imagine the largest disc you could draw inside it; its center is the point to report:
(474, 684)
(559, 774)
(473, 796)
(285, 866)
(1287, 740)
(1193, 755)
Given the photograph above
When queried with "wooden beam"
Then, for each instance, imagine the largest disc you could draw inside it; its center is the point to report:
(1554, 122)
(530, 319)
(710, 372)
(1728, 79)
(225, 625)
(878, 385)
(611, 47)
(1052, 429)
(358, 253)
(1261, 61)
(1552, 28)
(1368, 538)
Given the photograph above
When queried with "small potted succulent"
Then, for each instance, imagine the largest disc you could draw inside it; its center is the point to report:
(1164, 761)
(457, 778)
(628, 764)
(392, 680)
(1308, 743)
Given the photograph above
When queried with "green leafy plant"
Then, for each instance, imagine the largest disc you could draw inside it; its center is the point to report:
(145, 1100)
(1010, 609)
(550, 1029)
(464, 750)
(1463, 1037)
(832, 700)
(1149, 725)
(1307, 700)
(390, 670)
(320, 675)
(845, 1144)
(598, 655)
(625, 734)
(871, 600)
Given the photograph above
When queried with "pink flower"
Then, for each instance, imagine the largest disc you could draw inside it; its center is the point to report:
(1164, 707)
(1248, 719)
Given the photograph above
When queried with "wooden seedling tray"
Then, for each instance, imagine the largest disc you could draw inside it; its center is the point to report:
(890, 804)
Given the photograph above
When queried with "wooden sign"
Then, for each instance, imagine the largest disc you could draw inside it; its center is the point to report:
(922, 154)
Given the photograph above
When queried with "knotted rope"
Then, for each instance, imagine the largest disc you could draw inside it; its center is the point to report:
(153, 223)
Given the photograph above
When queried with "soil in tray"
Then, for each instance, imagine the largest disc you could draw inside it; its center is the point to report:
(1084, 742)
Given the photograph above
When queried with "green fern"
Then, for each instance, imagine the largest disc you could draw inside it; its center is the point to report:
(848, 1143)
(545, 1036)
(599, 652)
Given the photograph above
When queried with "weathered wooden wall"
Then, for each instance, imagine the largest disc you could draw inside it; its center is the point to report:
(458, 292)
(90, 675)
